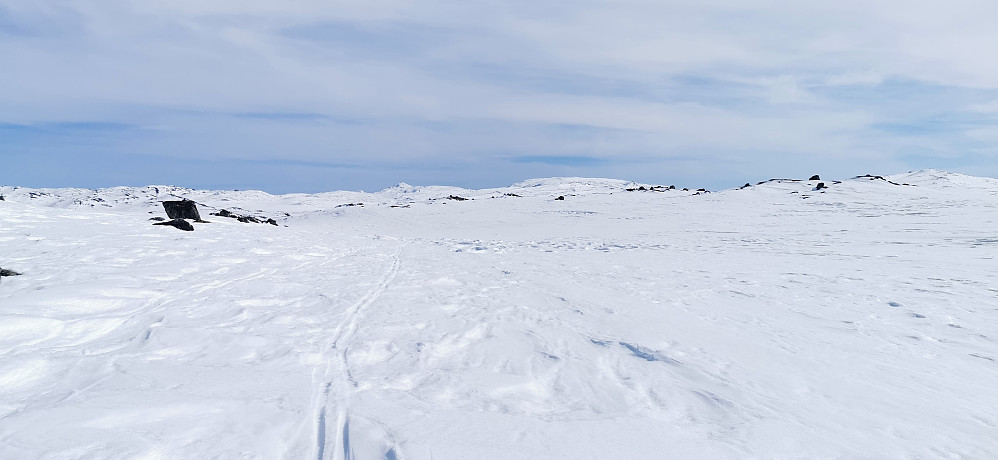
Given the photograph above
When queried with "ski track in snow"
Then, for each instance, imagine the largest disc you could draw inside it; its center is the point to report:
(777, 321)
(337, 374)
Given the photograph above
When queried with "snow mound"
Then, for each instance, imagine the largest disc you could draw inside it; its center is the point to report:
(946, 180)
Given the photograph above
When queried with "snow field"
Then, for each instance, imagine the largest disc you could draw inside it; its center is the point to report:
(771, 322)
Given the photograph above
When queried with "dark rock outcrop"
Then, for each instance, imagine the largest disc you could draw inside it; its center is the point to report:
(185, 209)
(820, 186)
(652, 188)
(457, 198)
(178, 223)
(257, 220)
(560, 198)
(6, 272)
(815, 177)
(872, 177)
(157, 219)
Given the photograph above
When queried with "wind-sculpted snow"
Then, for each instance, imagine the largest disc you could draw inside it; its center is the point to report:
(774, 321)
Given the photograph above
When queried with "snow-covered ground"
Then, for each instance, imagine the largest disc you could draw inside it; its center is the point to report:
(776, 321)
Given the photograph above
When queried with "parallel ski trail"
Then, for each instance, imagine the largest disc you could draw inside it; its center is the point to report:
(338, 383)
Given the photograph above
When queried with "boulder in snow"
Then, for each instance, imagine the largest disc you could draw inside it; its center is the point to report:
(185, 209)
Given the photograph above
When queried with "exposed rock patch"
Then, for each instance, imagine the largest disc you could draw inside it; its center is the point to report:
(872, 177)
(245, 219)
(653, 188)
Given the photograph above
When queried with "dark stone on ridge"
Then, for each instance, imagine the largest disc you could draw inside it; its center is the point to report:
(815, 177)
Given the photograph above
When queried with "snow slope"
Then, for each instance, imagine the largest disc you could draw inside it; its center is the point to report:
(776, 321)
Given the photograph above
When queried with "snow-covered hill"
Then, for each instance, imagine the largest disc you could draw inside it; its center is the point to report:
(775, 321)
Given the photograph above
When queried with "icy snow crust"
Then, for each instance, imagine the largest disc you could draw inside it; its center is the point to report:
(776, 321)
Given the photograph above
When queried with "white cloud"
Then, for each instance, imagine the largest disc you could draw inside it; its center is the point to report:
(988, 134)
(987, 107)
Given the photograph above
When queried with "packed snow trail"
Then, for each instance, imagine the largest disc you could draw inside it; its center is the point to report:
(770, 322)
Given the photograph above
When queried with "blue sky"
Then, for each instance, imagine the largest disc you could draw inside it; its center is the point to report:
(308, 95)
